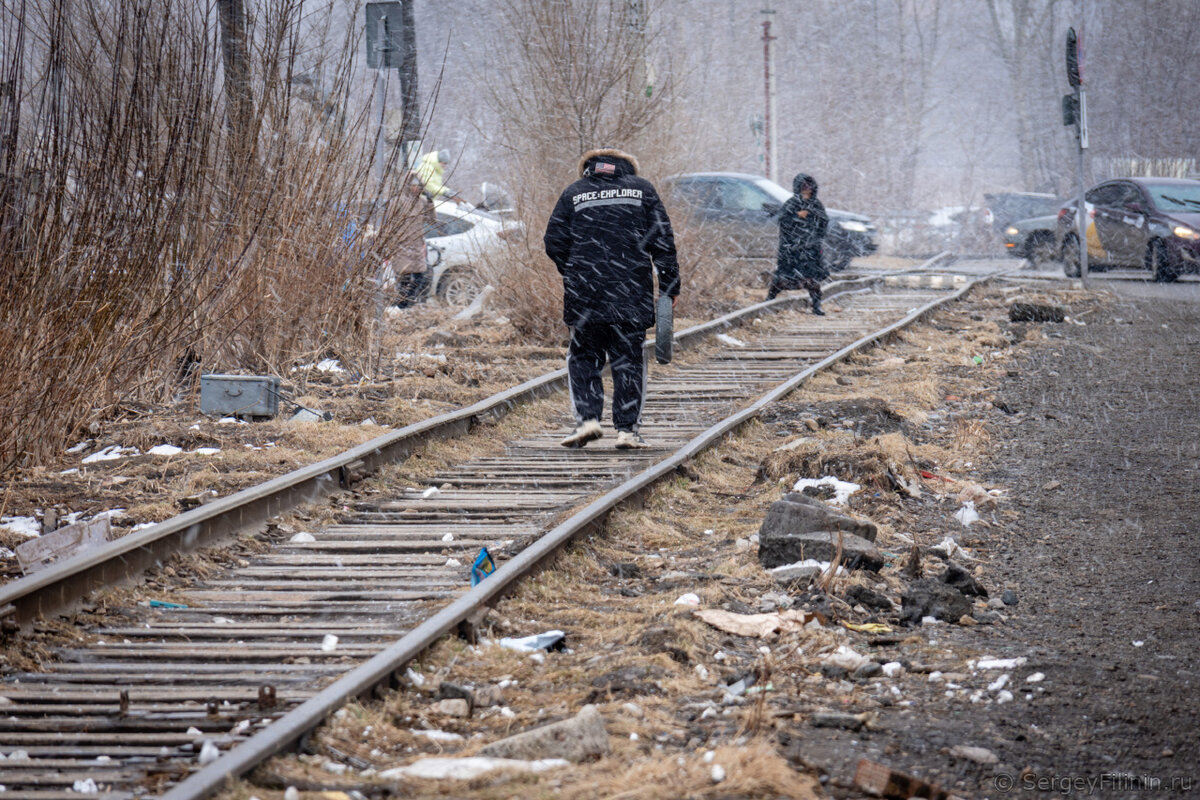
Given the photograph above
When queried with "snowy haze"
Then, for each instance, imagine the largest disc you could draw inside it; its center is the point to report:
(892, 104)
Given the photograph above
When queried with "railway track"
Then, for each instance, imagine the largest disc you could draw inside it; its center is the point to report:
(173, 700)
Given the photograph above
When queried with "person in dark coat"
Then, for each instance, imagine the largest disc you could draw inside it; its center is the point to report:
(608, 234)
(802, 225)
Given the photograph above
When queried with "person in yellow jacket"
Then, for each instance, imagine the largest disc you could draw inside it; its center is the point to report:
(431, 169)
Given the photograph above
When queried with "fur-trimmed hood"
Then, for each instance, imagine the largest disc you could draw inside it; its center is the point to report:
(610, 154)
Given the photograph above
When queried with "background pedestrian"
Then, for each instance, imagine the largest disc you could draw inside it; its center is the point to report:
(802, 224)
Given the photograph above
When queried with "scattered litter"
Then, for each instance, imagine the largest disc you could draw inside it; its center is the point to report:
(761, 626)
(868, 627)
(893, 668)
(85, 786)
(432, 491)
(165, 604)
(550, 640)
(231, 421)
(449, 537)
(483, 566)
(689, 599)
(1138, 643)
(1036, 677)
(414, 677)
(329, 643)
(999, 683)
(727, 339)
(1004, 697)
(164, 450)
(302, 538)
(222, 621)
(465, 769)
(948, 548)
(717, 774)
(452, 562)
(841, 489)
(967, 514)
(193, 731)
(329, 365)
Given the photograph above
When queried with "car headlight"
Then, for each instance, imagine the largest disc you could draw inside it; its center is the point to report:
(1011, 230)
(853, 225)
(1184, 232)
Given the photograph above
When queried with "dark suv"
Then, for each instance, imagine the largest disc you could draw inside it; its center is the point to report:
(1151, 223)
(737, 212)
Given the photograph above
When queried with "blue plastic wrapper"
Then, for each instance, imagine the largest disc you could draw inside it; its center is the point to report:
(483, 566)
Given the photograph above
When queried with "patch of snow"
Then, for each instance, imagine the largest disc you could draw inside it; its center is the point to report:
(164, 450)
(468, 768)
(206, 451)
(329, 365)
(231, 421)
(71, 471)
(110, 453)
(79, 448)
(841, 489)
(689, 599)
(438, 736)
(997, 663)
(28, 527)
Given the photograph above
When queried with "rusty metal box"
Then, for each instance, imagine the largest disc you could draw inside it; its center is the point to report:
(239, 395)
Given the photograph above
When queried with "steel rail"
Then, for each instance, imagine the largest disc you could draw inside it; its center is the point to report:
(383, 670)
(62, 587)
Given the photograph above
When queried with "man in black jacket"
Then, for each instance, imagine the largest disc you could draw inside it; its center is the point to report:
(608, 234)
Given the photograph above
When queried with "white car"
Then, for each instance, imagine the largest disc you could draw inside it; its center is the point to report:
(458, 242)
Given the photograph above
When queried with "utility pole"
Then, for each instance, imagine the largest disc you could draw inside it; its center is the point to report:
(769, 133)
(1075, 112)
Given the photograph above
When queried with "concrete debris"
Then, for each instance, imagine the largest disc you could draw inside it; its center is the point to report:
(962, 580)
(465, 769)
(452, 707)
(980, 755)
(930, 597)
(798, 513)
(576, 739)
(776, 549)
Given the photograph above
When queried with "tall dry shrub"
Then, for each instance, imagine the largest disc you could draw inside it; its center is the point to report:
(581, 75)
(130, 248)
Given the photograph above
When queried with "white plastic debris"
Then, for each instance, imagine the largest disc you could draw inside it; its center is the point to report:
(892, 668)
(689, 599)
(535, 643)
(702, 671)
(997, 663)
(452, 562)
(329, 643)
(727, 339)
(1004, 697)
(414, 677)
(432, 491)
(717, 773)
(85, 786)
(241, 727)
(302, 538)
(465, 769)
(164, 450)
(841, 489)
(208, 753)
(449, 537)
(967, 514)
(845, 657)
(437, 736)
(291, 793)
(194, 732)
(950, 549)
(709, 755)
(1036, 677)
(110, 453)
(1138, 643)
(999, 683)
(329, 365)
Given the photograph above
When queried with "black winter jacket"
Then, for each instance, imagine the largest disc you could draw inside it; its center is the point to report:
(800, 237)
(607, 235)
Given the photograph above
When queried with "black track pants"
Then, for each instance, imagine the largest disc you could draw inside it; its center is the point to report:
(593, 343)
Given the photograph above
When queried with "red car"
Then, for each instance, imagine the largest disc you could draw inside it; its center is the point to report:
(1151, 223)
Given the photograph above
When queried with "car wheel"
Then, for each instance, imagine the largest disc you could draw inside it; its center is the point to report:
(1039, 250)
(1070, 256)
(1160, 264)
(458, 288)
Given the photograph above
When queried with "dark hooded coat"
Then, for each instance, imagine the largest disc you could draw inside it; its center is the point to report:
(800, 237)
(607, 235)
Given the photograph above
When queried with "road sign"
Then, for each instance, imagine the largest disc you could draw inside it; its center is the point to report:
(385, 23)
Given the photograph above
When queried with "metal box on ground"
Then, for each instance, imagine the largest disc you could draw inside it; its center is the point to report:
(239, 395)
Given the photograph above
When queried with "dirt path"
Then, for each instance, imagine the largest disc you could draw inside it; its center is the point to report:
(1102, 460)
